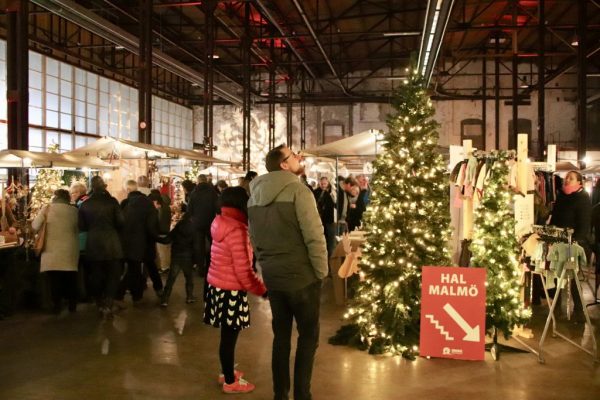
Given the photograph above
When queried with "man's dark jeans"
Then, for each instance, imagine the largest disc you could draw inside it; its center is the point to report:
(179, 264)
(303, 305)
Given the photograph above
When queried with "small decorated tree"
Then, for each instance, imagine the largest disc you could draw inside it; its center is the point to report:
(408, 227)
(48, 180)
(495, 248)
(194, 171)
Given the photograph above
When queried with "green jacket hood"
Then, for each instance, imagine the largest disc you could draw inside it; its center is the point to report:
(265, 188)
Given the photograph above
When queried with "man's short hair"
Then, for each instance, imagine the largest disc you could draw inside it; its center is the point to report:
(62, 194)
(188, 185)
(131, 185)
(350, 181)
(274, 158)
(250, 175)
(202, 178)
(98, 184)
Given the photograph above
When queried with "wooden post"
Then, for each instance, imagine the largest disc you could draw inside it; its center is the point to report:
(467, 215)
(551, 157)
(522, 164)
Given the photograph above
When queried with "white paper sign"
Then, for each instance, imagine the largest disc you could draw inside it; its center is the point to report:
(524, 214)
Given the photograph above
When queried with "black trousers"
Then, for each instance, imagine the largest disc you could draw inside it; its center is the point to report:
(63, 285)
(303, 306)
(179, 264)
(104, 281)
(227, 352)
(152, 268)
(202, 244)
(132, 280)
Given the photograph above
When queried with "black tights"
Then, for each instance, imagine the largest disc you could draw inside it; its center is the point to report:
(227, 352)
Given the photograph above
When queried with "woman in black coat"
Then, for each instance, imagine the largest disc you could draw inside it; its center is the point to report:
(100, 216)
(573, 209)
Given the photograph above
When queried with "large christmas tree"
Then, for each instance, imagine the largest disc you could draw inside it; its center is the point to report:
(47, 181)
(495, 248)
(408, 227)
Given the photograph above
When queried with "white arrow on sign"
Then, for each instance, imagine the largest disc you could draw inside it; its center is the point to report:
(472, 334)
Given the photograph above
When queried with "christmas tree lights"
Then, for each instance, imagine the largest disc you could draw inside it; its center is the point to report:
(495, 248)
(48, 180)
(408, 226)
(194, 171)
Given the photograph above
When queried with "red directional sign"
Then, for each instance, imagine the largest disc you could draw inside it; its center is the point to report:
(453, 313)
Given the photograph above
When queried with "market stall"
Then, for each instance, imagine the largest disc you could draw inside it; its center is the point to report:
(135, 159)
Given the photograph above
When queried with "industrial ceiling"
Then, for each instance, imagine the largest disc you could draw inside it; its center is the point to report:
(322, 51)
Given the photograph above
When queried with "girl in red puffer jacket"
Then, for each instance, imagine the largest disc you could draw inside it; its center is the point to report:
(230, 277)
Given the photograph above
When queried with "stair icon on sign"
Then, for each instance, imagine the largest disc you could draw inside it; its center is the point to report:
(439, 327)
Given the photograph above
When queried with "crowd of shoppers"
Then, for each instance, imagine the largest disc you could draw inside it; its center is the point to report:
(272, 227)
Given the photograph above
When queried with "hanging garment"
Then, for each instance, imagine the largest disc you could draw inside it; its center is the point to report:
(560, 253)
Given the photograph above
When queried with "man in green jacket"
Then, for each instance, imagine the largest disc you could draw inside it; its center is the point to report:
(287, 236)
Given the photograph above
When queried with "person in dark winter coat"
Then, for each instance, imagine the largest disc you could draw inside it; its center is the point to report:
(138, 234)
(78, 192)
(326, 208)
(202, 207)
(356, 208)
(151, 253)
(181, 239)
(100, 216)
(573, 209)
(230, 277)
(188, 187)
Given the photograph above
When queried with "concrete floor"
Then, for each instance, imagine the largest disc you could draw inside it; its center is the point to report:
(151, 353)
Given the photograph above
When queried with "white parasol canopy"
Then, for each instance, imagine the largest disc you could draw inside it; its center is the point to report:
(112, 149)
(34, 159)
(360, 145)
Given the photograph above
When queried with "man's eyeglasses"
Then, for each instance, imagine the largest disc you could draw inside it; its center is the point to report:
(288, 156)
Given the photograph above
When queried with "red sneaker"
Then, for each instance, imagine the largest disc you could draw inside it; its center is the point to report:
(239, 386)
(237, 374)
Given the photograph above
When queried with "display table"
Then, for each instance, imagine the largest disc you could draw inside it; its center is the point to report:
(335, 262)
(8, 275)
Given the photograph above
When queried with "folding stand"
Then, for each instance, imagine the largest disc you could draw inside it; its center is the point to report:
(496, 348)
(569, 272)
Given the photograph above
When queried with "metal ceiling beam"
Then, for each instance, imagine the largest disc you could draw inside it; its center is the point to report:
(318, 42)
(267, 14)
(102, 27)
(164, 39)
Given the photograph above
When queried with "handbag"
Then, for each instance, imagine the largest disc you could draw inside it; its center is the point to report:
(40, 239)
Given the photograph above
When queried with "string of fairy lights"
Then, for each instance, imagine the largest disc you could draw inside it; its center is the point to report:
(48, 180)
(495, 247)
(408, 225)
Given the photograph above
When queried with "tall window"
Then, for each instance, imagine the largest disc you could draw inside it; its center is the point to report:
(72, 107)
(171, 124)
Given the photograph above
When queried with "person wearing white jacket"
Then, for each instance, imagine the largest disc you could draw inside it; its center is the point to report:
(60, 254)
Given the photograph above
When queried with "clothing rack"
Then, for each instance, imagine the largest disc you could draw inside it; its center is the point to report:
(569, 272)
(553, 232)
(480, 154)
